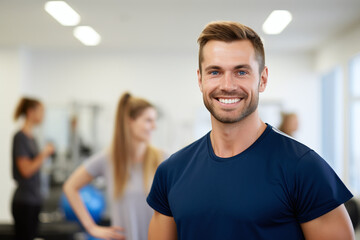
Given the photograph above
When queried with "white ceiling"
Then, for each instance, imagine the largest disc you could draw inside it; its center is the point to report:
(168, 25)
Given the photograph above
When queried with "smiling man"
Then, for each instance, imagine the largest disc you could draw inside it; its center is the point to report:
(244, 179)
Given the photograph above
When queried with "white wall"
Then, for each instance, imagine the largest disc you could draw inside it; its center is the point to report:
(294, 83)
(338, 50)
(165, 79)
(10, 77)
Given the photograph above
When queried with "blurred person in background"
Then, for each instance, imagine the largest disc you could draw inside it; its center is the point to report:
(289, 123)
(27, 161)
(78, 150)
(128, 168)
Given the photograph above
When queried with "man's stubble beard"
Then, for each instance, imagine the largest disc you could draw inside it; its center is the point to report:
(246, 111)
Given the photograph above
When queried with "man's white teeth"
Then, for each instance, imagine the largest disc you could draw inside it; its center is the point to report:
(229, 101)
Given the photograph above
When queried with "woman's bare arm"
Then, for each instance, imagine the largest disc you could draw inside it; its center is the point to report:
(71, 188)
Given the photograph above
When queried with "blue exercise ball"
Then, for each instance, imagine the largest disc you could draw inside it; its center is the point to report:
(93, 199)
(89, 237)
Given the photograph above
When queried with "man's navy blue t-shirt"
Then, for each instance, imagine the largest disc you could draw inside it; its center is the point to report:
(265, 192)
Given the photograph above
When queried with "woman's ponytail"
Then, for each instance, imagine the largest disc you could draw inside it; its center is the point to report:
(122, 117)
(120, 145)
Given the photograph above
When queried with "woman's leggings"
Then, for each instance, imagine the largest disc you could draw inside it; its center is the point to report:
(26, 219)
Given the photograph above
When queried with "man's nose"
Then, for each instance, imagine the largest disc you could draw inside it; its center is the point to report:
(227, 82)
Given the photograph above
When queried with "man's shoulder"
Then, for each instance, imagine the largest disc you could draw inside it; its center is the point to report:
(286, 145)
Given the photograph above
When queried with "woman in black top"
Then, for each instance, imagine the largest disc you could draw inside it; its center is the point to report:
(27, 161)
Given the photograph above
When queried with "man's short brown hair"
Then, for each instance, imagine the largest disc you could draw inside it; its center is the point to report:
(227, 31)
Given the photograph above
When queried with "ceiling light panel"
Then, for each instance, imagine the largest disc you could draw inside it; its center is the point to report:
(63, 13)
(87, 35)
(277, 22)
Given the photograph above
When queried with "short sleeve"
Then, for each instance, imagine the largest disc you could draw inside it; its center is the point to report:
(20, 147)
(318, 189)
(158, 196)
(95, 165)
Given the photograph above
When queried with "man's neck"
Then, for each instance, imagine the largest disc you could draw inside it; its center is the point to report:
(229, 140)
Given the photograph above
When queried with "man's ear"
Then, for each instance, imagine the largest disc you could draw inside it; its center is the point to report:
(199, 79)
(263, 79)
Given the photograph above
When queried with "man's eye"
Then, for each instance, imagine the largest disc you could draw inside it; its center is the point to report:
(241, 73)
(214, 73)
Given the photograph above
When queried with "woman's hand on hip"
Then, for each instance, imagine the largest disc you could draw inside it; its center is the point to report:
(107, 233)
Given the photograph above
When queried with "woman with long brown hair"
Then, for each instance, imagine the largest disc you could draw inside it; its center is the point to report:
(27, 161)
(128, 168)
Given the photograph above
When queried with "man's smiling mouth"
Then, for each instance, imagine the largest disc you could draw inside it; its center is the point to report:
(229, 100)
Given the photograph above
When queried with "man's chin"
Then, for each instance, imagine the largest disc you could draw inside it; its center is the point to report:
(227, 119)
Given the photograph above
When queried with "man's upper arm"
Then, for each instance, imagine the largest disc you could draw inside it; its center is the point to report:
(334, 225)
(162, 227)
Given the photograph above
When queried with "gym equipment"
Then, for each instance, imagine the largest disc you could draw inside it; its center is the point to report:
(93, 199)
(352, 206)
(50, 231)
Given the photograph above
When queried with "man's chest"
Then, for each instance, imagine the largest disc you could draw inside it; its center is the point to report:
(239, 194)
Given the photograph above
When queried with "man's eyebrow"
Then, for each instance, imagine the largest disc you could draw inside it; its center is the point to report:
(212, 67)
(242, 66)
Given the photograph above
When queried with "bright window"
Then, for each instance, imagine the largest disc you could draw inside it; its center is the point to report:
(332, 123)
(354, 169)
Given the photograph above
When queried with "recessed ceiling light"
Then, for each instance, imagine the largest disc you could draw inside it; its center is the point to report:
(87, 35)
(277, 22)
(62, 12)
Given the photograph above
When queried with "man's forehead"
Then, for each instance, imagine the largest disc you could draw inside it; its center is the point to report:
(219, 51)
(238, 45)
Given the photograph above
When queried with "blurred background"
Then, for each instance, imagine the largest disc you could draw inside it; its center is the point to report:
(149, 48)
